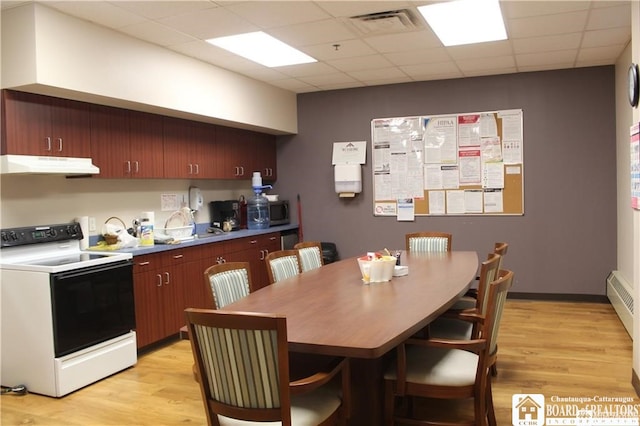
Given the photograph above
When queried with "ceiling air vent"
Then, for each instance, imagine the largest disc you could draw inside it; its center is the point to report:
(392, 21)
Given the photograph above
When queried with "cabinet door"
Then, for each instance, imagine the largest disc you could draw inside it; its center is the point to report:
(27, 124)
(45, 126)
(173, 297)
(70, 128)
(146, 149)
(264, 147)
(177, 136)
(110, 141)
(148, 292)
(236, 157)
(204, 150)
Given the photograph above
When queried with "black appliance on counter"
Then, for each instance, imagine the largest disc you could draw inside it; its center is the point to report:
(225, 211)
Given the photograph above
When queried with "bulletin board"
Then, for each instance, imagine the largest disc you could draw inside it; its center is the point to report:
(448, 165)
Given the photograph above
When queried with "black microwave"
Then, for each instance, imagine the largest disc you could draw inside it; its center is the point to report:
(279, 212)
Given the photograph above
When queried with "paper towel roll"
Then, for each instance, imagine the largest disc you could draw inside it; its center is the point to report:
(84, 226)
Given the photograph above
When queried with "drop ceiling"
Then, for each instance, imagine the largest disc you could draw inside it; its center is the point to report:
(400, 47)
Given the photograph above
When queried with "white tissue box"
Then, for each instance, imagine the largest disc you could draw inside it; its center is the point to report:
(400, 271)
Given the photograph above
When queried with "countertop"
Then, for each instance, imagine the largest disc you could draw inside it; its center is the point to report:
(204, 238)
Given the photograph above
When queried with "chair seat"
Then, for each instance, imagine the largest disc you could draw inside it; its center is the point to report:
(465, 302)
(308, 409)
(450, 328)
(438, 366)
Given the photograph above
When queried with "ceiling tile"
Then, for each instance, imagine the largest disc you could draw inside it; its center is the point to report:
(547, 43)
(360, 63)
(103, 13)
(421, 56)
(478, 64)
(344, 49)
(403, 42)
(547, 25)
(547, 58)
(156, 33)
(270, 14)
(607, 17)
(209, 23)
(162, 9)
(313, 33)
(480, 50)
(614, 36)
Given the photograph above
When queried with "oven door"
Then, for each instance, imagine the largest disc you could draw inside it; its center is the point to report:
(91, 305)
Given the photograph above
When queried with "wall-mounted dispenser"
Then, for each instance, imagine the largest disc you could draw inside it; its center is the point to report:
(347, 160)
(195, 198)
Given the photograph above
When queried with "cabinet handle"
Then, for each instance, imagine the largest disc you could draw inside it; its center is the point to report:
(178, 256)
(272, 238)
(128, 167)
(59, 144)
(159, 280)
(143, 263)
(253, 241)
(241, 170)
(48, 143)
(137, 166)
(197, 169)
(190, 168)
(166, 274)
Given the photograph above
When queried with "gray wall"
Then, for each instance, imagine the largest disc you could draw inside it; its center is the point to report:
(566, 240)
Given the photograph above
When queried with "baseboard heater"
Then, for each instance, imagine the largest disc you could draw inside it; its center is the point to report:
(620, 295)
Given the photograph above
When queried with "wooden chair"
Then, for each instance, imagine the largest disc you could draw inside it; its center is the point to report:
(500, 248)
(282, 264)
(428, 241)
(242, 360)
(449, 369)
(310, 253)
(228, 282)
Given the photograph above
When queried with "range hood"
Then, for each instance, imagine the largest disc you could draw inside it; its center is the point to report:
(32, 164)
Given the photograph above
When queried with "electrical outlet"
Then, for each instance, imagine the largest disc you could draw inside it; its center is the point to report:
(92, 224)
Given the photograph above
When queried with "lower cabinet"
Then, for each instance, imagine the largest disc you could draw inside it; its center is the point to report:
(158, 298)
(167, 283)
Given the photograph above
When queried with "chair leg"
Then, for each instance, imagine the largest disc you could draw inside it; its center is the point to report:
(389, 403)
(494, 370)
(491, 414)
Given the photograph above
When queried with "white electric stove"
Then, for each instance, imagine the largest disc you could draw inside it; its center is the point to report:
(67, 315)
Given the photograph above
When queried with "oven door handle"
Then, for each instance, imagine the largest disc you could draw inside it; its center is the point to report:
(94, 269)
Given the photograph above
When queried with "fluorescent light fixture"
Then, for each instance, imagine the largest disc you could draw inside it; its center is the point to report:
(260, 47)
(465, 21)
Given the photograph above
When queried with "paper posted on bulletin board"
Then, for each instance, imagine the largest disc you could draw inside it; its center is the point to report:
(453, 164)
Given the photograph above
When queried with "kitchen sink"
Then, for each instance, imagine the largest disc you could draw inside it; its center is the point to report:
(207, 235)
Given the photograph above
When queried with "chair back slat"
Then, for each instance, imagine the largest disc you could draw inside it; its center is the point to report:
(497, 298)
(424, 242)
(228, 282)
(310, 258)
(488, 273)
(229, 286)
(242, 369)
(282, 264)
(284, 267)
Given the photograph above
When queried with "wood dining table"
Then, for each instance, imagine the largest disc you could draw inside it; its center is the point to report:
(331, 311)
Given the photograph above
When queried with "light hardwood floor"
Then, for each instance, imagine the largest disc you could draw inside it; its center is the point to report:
(553, 348)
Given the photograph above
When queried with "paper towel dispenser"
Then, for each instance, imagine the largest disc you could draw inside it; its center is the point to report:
(348, 179)
(347, 160)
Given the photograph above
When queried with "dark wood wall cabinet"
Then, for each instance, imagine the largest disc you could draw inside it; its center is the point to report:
(167, 283)
(132, 144)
